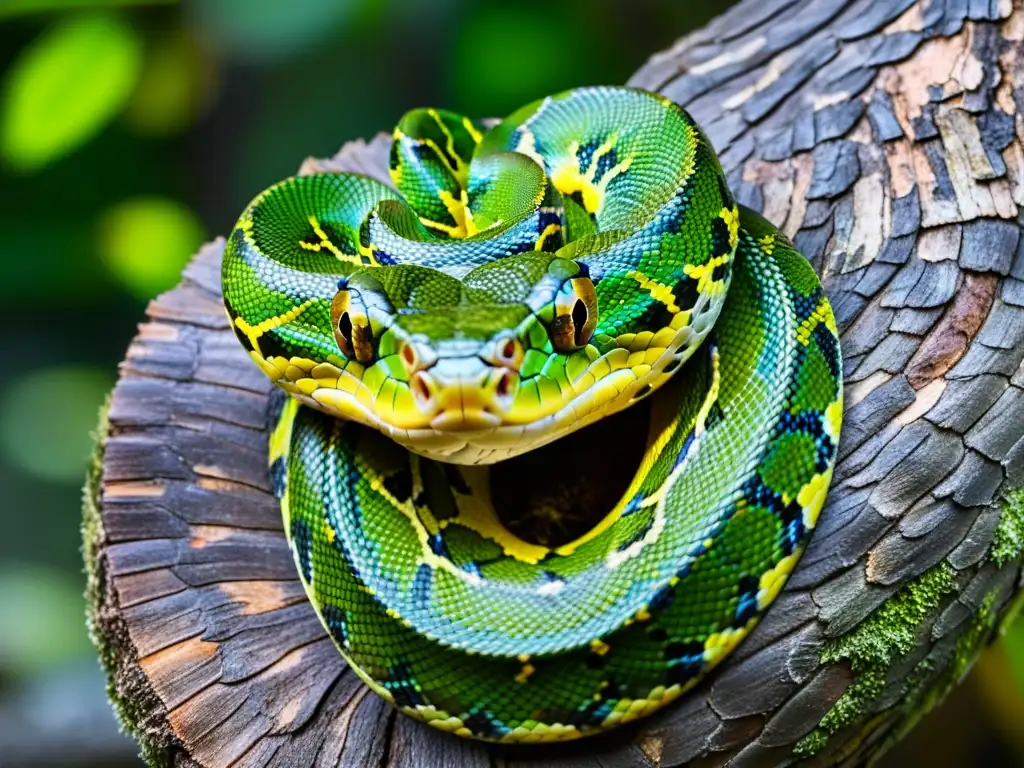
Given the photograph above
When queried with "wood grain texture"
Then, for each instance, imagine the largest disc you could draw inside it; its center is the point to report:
(887, 138)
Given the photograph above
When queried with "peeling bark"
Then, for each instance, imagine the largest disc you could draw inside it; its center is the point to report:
(887, 138)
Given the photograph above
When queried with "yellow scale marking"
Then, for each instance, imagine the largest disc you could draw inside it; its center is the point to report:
(657, 498)
(458, 208)
(568, 179)
(254, 332)
(820, 315)
(704, 273)
(659, 291)
(549, 230)
(657, 446)
(326, 244)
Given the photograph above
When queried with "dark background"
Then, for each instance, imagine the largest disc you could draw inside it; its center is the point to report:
(130, 132)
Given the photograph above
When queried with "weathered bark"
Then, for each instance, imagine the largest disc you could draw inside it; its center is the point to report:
(888, 139)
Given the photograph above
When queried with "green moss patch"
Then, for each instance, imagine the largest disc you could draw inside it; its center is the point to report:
(1008, 541)
(885, 636)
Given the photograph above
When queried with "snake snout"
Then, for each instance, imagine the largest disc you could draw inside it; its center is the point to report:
(464, 394)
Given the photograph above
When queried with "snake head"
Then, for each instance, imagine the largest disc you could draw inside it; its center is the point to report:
(466, 362)
(460, 361)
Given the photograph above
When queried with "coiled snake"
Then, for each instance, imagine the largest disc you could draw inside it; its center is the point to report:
(522, 283)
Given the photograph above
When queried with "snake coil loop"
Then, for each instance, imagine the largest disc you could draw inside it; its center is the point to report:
(517, 285)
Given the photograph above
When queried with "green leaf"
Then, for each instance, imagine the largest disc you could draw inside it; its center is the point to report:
(18, 7)
(65, 87)
(145, 242)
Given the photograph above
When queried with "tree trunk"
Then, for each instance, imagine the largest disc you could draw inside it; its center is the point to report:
(886, 137)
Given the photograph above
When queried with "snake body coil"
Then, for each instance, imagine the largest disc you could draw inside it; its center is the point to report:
(522, 283)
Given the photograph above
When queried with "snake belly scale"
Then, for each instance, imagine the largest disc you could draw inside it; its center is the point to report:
(517, 284)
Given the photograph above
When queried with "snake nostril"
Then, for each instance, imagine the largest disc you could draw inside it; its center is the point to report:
(421, 390)
(508, 350)
(505, 384)
(409, 356)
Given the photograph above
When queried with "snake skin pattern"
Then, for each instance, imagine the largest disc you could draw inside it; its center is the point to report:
(522, 283)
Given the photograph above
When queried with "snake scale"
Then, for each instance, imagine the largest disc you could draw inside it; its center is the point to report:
(517, 284)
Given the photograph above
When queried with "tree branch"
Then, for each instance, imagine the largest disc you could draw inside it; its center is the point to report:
(888, 139)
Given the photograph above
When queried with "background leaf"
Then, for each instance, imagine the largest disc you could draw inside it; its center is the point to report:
(504, 58)
(65, 87)
(145, 242)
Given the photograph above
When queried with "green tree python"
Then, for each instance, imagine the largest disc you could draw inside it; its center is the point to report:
(517, 284)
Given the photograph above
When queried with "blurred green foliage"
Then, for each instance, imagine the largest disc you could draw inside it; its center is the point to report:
(146, 241)
(39, 639)
(1013, 642)
(52, 449)
(66, 86)
(518, 60)
(130, 130)
(175, 84)
(265, 31)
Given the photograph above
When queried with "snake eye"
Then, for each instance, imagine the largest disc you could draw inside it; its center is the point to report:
(352, 330)
(575, 315)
